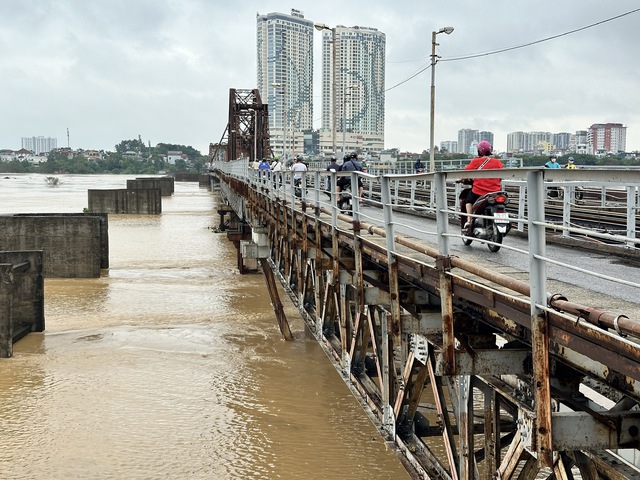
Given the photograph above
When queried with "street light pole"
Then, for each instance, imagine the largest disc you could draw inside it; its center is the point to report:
(284, 118)
(432, 160)
(344, 115)
(320, 27)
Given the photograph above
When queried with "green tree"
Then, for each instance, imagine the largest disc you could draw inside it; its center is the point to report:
(131, 146)
(15, 166)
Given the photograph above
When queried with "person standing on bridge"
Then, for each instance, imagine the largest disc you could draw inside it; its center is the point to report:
(482, 186)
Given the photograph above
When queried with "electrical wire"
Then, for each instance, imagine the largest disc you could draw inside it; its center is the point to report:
(515, 47)
(535, 42)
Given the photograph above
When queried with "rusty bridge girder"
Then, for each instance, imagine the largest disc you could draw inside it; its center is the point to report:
(247, 131)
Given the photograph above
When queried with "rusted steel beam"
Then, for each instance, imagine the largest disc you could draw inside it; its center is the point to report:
(542, 434)
(443, 415)
(275, 299)
(446, 302)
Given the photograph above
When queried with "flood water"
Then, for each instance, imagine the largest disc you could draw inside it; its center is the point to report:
(171, 365)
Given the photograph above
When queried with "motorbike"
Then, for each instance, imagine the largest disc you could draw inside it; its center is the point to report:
(493, 228)
(345, 200)
(297, 185)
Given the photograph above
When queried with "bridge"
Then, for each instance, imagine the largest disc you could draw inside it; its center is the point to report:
(473, 365)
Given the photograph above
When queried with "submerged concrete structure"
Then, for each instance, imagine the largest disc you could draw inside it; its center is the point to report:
(73, 245)
(141, 201)
(21, 297)
(164, 184)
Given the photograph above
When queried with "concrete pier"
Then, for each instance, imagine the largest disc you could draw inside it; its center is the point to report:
(139, 201)
(73, 245)
(21, 297)
(164, 184)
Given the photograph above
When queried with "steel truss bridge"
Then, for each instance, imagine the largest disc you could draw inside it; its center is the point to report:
(472, 369)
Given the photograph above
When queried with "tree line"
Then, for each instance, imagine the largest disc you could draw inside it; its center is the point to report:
(131, 157)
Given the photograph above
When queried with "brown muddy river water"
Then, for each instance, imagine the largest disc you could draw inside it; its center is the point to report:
(171, 365)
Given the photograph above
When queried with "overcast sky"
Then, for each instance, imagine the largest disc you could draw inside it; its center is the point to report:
(110, 70)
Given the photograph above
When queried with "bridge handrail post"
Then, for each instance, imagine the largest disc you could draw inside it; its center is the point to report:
(355, 195)
(633, 206)
(387, 209)
(442, 217)
(316, 191)
(522, 203)
(566, 210)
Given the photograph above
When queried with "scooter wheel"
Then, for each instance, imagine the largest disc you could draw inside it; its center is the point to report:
(466, 241)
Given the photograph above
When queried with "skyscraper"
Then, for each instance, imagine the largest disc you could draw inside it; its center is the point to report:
(466, 139)
(359, 89)
(285, 77)
(39, 145)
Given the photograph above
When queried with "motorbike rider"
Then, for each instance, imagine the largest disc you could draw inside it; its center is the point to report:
(418, 167)
(552, 163)
(351, 164)
(482, 186)
(570, 165)
(331, 167)
(298, 167)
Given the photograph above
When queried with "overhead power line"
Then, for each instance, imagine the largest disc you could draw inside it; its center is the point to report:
(553, 37)
(515, 47)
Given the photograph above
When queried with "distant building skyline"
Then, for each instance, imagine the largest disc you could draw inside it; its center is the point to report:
(599, 139)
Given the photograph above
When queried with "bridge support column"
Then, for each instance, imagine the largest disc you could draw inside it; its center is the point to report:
(542, 434)
(6, 306)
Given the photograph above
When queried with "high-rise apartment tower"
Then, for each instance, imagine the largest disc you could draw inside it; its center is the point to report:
(357, 65)
(285, 77)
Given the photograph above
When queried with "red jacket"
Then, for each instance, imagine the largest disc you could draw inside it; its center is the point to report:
(482, 186)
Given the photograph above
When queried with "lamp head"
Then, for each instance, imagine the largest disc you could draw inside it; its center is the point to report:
(446, 30)
(321, 26)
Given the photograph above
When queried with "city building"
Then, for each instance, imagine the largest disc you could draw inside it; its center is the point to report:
(562, 141)
(285, 78)
(532, 143)
(604, 138)
(39, 145)
(466, 136)
(356, 63)
(468, 140)
(450, 146)
(578, 142)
